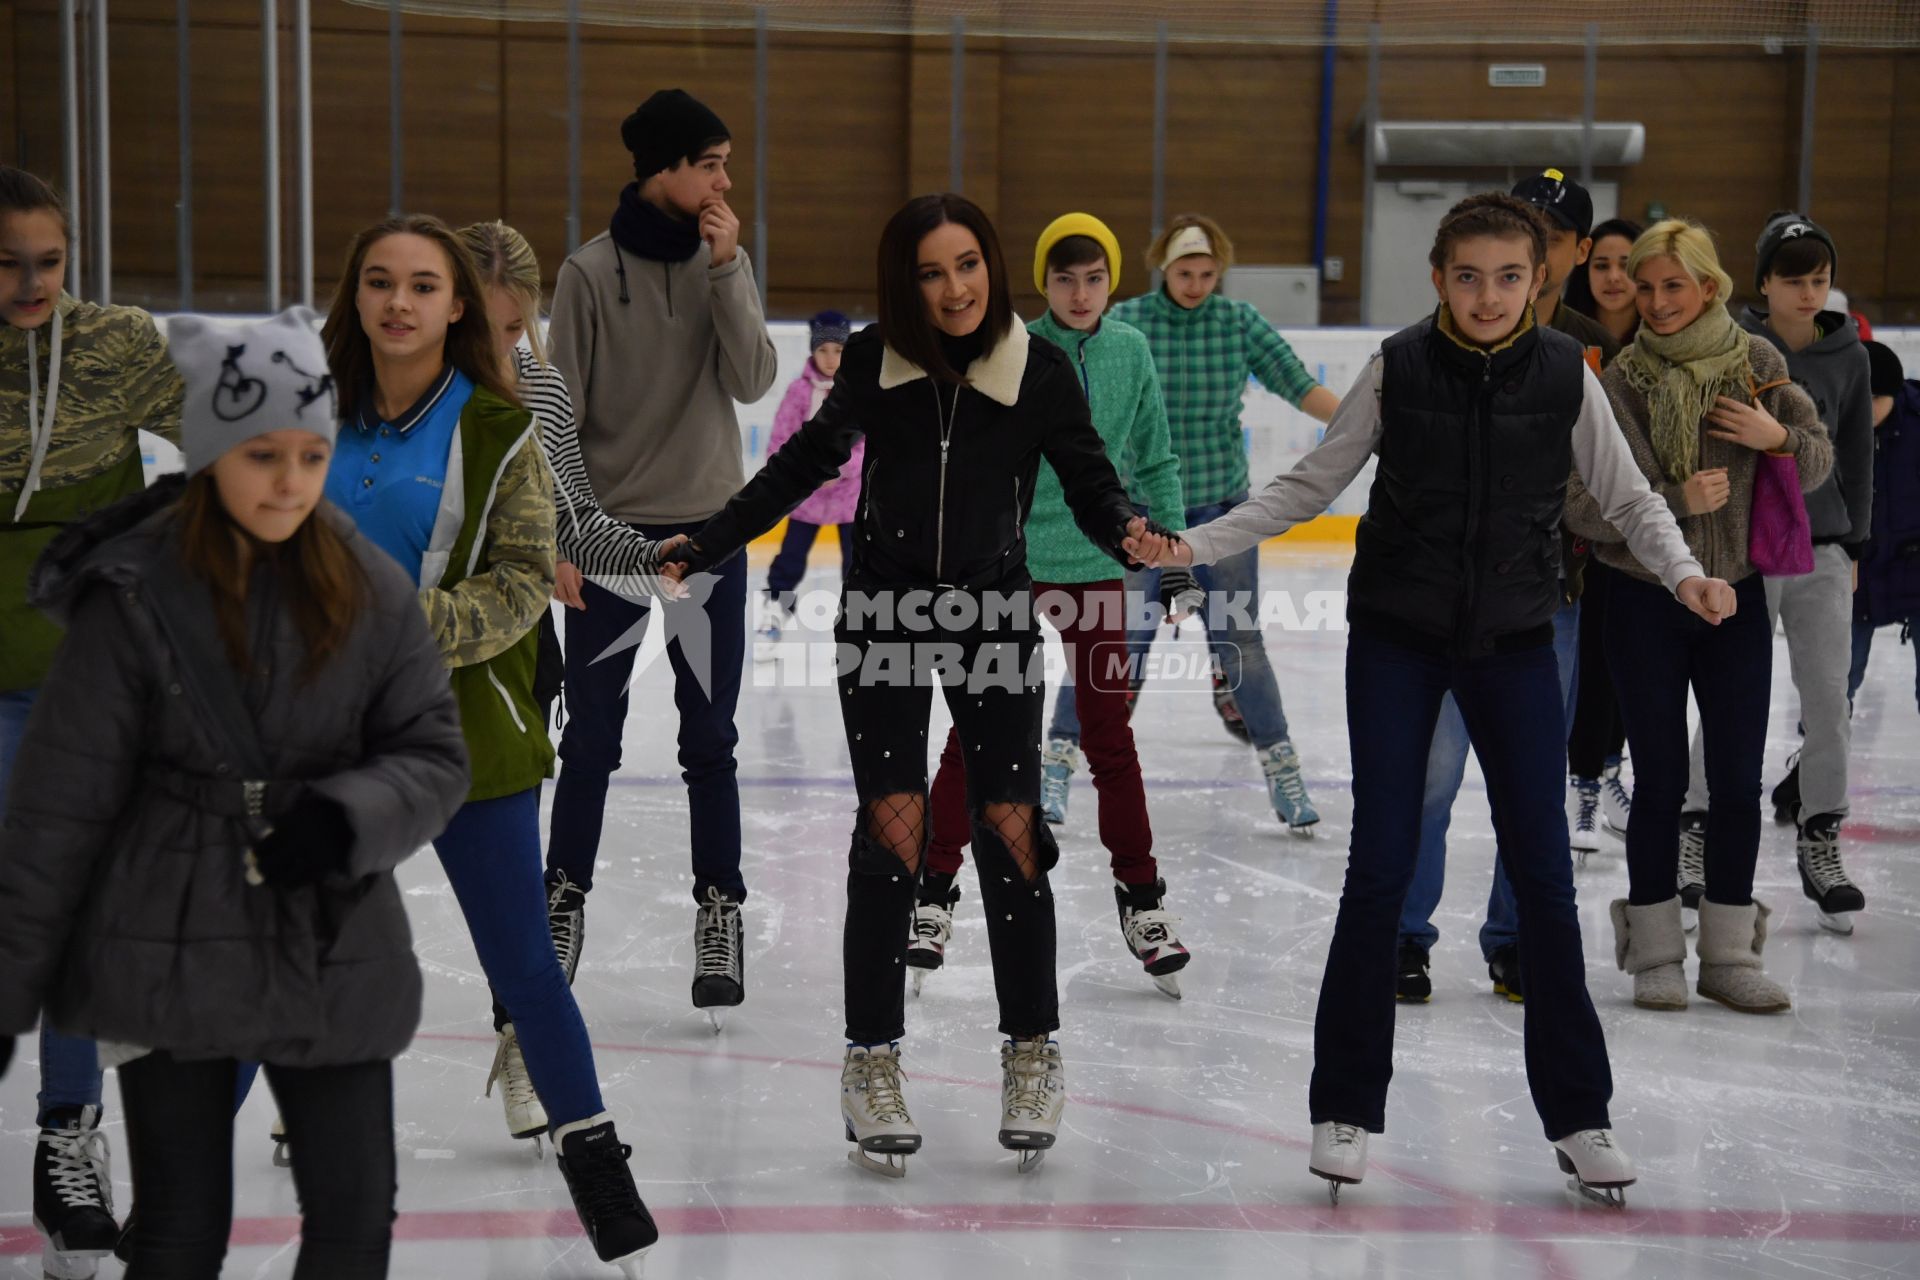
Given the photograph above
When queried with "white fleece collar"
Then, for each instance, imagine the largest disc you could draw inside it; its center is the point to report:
(996, 375)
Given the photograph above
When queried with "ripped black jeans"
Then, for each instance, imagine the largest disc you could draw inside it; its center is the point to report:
(983, 653)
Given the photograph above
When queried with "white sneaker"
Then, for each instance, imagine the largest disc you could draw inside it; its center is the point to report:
(874, 1109)
(526, 1118)
(1033, 1093)
(1339, 1155)
(1601, 1170)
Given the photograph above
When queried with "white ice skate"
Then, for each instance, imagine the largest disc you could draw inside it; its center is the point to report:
(874, 1110)
(1601, 1170)
(1287, 789)
(282, 1150)
(1033, 1093)
(1149, 931)
(1057, 763)
(1584, 833)
(930, 930)
(1616, 802)
(1339, 1155)
(526, 1118)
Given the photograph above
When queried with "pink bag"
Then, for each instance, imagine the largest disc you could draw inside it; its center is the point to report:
(1779, 536)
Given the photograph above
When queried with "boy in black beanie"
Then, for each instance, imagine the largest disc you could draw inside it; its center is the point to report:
(658, 330)
(1795, 260)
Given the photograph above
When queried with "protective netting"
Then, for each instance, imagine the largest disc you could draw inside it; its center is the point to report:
(1857, 23)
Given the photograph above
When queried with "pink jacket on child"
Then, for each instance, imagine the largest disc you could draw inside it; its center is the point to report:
(836, 501)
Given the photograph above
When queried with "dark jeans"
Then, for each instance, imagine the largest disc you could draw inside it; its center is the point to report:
(886, 693)
(1863, 650)
(180, 1143)
(596, 705)
(1512, 707)
(1598, 732)
(790, 565)
(1658, 648)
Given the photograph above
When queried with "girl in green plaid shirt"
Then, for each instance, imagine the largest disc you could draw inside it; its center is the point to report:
(1205, 347)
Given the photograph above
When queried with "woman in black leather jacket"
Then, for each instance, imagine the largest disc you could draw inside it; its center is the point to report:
(958, 407)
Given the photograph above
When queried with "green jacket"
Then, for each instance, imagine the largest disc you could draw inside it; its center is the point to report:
(114, 380)
(1115, 368)
(492, 556)
(1205, 356)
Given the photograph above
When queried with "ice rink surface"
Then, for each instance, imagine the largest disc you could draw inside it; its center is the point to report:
(1768, 1147)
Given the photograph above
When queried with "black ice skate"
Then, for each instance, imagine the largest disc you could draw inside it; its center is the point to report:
(594, 1162)
(1823, 878)
(566, 920)
(73, 1194)
(719, 967)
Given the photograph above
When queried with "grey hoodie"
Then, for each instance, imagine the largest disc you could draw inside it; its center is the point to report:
(1833, 373)
(654, 378)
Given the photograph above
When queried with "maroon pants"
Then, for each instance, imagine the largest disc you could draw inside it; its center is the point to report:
(1091, 621)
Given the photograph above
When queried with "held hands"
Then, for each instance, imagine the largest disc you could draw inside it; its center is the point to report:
(566, 585)
(1706, 491)
(1180, 594)
(673, 557)
(1153, 547)
(720, 228)
(1711, 598)
(1745, 424)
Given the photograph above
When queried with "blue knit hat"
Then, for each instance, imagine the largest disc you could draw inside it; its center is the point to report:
(828, 326)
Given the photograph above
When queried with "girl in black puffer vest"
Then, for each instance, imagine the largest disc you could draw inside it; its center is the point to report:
(1478, 416)
(246, 728)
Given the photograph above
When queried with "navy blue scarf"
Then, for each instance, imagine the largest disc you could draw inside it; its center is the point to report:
(645, 230)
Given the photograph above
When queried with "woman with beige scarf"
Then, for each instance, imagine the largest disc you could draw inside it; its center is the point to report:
(1698, 403)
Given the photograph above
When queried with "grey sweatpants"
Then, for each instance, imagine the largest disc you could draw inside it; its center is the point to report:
(1816, 611)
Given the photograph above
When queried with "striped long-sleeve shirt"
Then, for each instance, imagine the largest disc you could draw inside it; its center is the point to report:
(592, 541)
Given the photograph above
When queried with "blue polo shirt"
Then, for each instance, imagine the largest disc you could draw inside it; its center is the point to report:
(389, 475)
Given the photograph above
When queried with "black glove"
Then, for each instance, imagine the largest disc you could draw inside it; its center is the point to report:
(1180, 593)
(6, 1054)
(310, 841)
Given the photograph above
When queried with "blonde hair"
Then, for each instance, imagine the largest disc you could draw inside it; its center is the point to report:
(1687, 243)
(507, 260)
(1222, 247)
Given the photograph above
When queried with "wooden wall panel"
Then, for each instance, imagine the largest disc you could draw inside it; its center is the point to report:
(1722, 140)
(33, 76)
(1241, 140)
(10, 89)
(1853, 163)
(859, 122)
(837, 168)
(1077, 135)
(1902, 215)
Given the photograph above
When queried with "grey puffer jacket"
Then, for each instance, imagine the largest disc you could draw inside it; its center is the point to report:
(124, 909)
